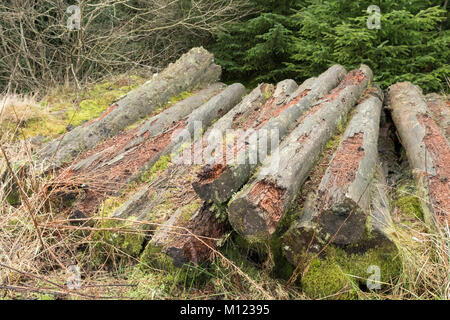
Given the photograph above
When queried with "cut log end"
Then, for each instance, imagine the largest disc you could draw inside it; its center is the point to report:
(256, 216)
(195, 246)
(343, 223)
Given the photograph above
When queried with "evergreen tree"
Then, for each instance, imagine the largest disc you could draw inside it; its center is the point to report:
(300, 39)
(256, 50)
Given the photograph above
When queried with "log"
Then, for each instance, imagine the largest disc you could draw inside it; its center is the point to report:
(190, 241)
(151, 196)
(193, 70)
(440, 111)
(343, 197)
(106, 169)
(427, 150)
(257, 209)
(199, 224)
(303, 236)
(229, 176)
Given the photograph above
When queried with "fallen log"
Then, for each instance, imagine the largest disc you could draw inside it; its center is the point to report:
(343, 197)
(106, 169)
(172, 195)
(182, 166)
(440, 111)
(219, 180)
(196, 238)
(303, 236)
(194, 69)
(258, 208)
(427, 150)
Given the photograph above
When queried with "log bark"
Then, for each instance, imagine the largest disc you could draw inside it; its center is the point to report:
(193, 70)
(113, 164)
(146, 202)
(303, 236)
(440, 111)
(256, 211)
(343, 197)
(230, 176)
(205, 224)
(427, 150)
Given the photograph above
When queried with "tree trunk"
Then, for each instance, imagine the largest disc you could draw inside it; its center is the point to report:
(217, 182)
(195, 221)
(440, 112)
(193, 70)
(256, 211)
(427, 149)
(146, 204)
(114, 163)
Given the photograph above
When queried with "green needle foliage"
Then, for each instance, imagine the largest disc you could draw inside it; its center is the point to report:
(300, 39)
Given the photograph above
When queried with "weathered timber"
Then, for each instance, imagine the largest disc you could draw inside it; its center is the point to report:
(258, 208)
(199, 224)
(198, 235)
(343, 197)
(303, 237)
(149, 203)
(114, 163)
(427, 149)
(218, 181)
(153, 127)
(440, 111)
(193, 70)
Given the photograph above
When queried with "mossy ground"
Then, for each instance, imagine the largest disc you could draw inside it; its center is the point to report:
(342, 275)
(66, 107)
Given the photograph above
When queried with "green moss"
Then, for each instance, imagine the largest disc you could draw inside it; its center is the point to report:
(268, 92)
(13, 198)
(130, 243)
(340, 270)
(159, 166)
(407, 200)
(410, 205)
(128, 238)
(324, 278)
(188, 210)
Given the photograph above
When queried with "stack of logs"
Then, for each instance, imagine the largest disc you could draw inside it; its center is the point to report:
(214, 180)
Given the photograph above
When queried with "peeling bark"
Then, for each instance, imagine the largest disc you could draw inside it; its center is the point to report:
(193, 70)
(440, 111)
(144, 205)
(106, 169)
(249, 211)
(427, 149)
(194, 240)
(235, 173)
